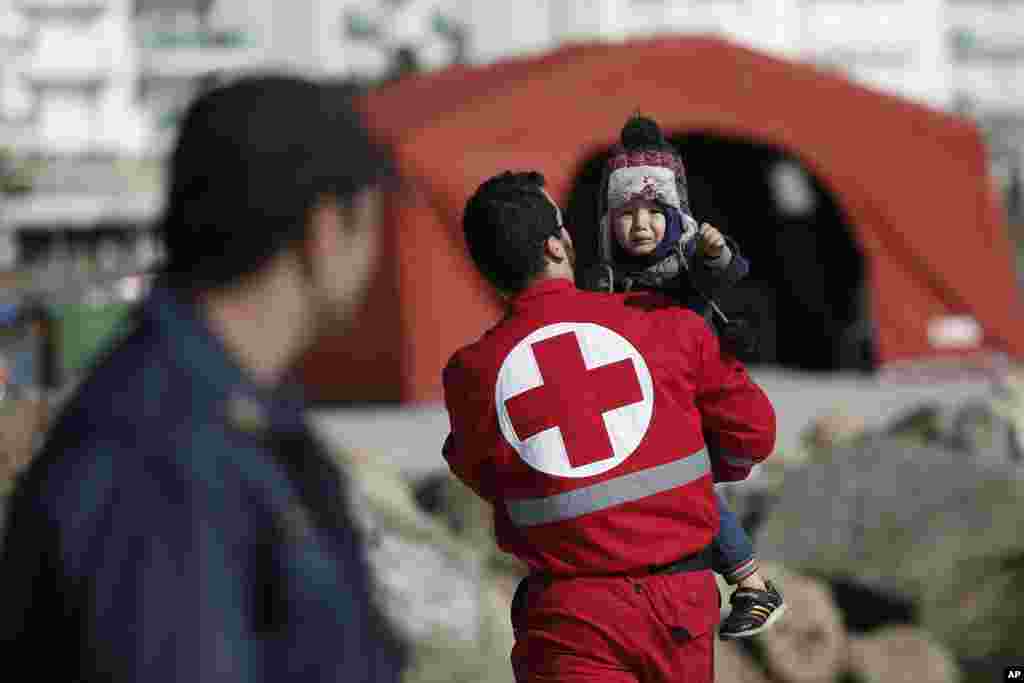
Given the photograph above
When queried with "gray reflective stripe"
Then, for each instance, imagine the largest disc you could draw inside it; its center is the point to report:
(624, 489)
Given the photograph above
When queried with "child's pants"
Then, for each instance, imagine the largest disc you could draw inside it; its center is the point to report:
(733, 550)
(615, 629)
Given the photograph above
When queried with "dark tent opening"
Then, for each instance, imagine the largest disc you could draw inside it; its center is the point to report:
(806, 292)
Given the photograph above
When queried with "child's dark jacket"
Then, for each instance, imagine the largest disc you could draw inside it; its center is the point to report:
(683, 274)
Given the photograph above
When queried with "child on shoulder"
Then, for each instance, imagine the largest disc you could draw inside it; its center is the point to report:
(648, 239)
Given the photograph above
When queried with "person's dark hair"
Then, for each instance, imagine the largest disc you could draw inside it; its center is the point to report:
(506, 223)
(253, 158)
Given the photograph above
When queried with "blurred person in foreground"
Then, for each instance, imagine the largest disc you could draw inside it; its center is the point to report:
(579, 417)
(181, 523)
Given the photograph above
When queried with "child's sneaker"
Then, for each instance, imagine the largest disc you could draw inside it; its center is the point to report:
(753, 611)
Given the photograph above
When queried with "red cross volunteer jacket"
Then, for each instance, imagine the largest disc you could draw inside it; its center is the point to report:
(582, 418)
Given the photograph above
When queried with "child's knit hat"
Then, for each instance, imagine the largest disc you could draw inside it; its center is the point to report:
(644, 164)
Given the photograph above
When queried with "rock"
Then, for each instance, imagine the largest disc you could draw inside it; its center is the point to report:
(808, 644)
(981, 428)
(865, 608)
(901, 654)
(920, 521)
(436, 589)
(733, 665)
(22, 421)
(835, 429)
(470, 518)
(924, 424)
(978, 431)
(1008, 404)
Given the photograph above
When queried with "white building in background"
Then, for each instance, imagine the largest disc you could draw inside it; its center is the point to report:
(107, 76)
(69, 76)
(908, 47)
(960, 55)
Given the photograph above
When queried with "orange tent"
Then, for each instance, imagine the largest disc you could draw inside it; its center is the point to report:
(885, 160)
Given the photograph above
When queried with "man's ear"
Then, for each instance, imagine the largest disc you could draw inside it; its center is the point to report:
(554, 249)
(321, 234)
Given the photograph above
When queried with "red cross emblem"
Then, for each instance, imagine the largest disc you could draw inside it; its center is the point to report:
(574, 398)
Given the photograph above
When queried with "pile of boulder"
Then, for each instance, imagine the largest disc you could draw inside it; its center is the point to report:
(897, 548)
(923, 516)
(899, 551)
(439, 576)
(812, 644)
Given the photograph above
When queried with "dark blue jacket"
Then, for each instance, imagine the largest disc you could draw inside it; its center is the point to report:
(181, 525)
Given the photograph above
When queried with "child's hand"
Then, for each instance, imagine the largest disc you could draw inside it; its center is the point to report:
(711, 241)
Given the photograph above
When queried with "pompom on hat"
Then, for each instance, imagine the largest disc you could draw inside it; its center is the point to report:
(644, 164)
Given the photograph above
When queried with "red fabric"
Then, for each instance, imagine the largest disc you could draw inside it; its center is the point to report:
(914, 187)
(692, 383)
(657, 629)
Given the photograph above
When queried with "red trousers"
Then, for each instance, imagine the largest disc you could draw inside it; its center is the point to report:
(647, 629)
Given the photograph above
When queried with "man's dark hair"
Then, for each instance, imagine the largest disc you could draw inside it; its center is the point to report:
(252, 159)
(506, 222)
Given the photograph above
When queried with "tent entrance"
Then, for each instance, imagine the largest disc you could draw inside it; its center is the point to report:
(807, 292)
